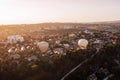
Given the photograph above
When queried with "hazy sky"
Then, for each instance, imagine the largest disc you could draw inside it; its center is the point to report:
(37, 11)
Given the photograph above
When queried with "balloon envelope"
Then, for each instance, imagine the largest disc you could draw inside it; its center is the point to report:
(43, 46)
(83, 43)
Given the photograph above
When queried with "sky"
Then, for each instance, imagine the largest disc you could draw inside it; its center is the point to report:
(39, 11)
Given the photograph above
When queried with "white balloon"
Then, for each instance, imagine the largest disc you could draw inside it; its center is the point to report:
(83, 43)
(43, 46)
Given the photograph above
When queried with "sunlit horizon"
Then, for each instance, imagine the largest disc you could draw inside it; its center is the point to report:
(42, 11)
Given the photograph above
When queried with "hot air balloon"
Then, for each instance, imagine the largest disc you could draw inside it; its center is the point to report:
(83, 43)
(43, 46)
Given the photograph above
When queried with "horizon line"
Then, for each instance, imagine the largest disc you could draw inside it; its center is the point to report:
(88, 22)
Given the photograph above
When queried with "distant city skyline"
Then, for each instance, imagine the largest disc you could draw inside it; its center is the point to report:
(40, 11)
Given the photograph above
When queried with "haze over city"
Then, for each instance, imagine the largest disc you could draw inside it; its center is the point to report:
(39, 11)
(59, 39)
